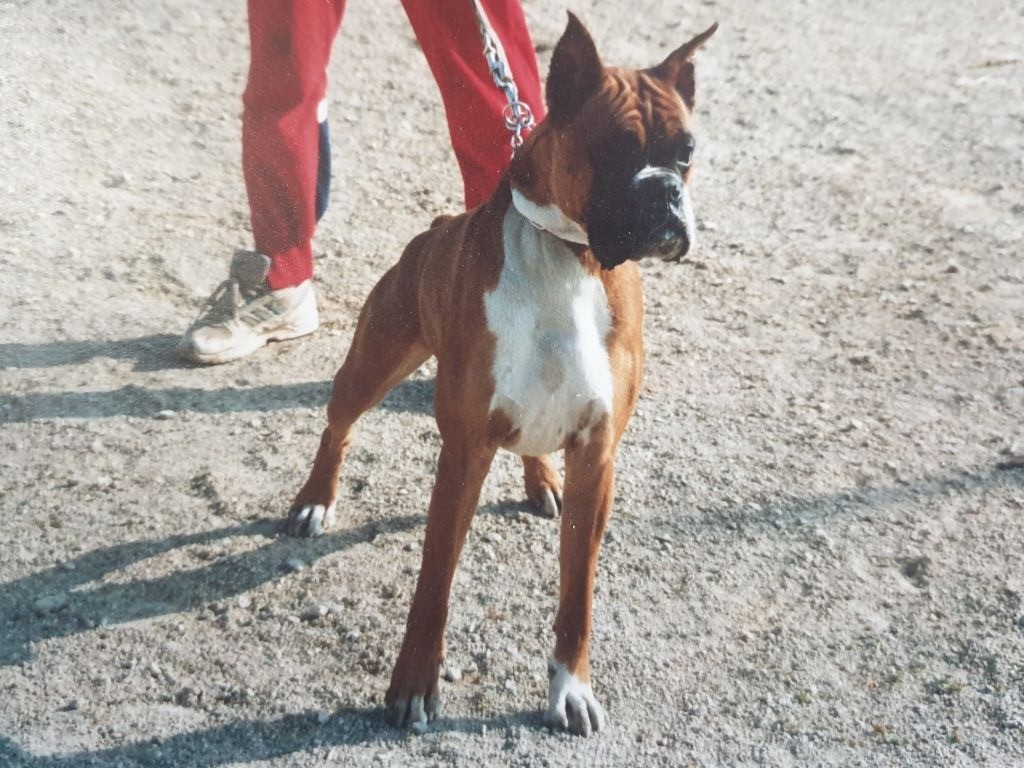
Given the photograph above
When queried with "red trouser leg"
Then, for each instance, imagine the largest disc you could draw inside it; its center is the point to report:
(448, 34)
(290, 48)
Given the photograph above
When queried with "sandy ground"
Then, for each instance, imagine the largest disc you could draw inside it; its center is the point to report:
(816, 556)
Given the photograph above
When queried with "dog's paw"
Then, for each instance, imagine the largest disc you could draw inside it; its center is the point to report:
(572, 705)
(310, 520)
(543, 486)
(414, 698)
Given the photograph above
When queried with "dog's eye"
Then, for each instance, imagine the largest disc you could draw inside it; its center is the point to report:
(685, 156)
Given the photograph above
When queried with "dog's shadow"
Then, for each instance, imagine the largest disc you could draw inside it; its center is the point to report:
(259, 740)
(65, 599)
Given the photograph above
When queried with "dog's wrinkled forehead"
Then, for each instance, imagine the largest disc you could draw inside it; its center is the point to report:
(635, 103)
(634, 113)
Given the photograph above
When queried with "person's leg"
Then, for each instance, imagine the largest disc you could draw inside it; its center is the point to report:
(283, 141)
(268, 295)
(448, 34)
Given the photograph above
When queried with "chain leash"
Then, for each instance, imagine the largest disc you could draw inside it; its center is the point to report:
(517, 114)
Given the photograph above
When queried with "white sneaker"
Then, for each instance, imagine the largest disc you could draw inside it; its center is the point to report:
(242, 315)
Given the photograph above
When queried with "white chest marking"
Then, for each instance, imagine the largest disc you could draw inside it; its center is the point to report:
(550, 317)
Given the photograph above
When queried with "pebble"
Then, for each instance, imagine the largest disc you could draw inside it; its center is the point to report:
(293, 565)
(322, 716)
(51, 603)
(451, 674)
(314, 612)
(244, 601)
(116, 180)
(166, 414)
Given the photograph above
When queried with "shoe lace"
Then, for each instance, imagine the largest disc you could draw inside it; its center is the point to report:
(222, 305)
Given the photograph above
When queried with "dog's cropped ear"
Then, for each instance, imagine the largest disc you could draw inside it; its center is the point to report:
(575, 72)
(678, 69)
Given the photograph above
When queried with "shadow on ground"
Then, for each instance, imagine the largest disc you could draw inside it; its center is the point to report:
(412, 396)
(26, 621)
(155, 352)
(808, 510)
(249, 741)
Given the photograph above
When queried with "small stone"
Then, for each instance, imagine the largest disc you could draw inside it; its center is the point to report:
(353, 636)
(166, 414)
(71, 706)
(510, 686)
(451, 674)
(314, 612)
(293, 565)
(322, 716)
(917, 570)
(493, 537)
(852, 425)
(51, 603)
(116, 180)
(952, 268)
(188, 697)
(244, 601)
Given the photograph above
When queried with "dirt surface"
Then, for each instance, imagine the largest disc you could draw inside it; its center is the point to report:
(816, 555)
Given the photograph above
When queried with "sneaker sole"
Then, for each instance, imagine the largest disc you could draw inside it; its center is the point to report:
(244, 350)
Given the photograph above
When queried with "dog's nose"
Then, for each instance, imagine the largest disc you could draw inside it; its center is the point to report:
(658, 185)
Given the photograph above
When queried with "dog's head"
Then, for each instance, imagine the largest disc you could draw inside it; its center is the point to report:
(615, 153)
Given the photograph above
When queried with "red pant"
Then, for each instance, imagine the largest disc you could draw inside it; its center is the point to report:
(281, 138)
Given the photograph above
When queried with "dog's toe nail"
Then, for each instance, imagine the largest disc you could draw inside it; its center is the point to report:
(551, 505)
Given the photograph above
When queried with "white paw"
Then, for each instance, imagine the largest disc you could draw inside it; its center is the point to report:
(551, 505)
(571, 703)
(312, 520)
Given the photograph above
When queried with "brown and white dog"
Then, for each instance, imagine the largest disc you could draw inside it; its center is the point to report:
(532, 305)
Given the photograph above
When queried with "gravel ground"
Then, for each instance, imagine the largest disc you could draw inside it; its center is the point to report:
(816, 552)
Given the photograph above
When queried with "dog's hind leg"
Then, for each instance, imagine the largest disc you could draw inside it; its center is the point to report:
(543, 486)
(387, 346)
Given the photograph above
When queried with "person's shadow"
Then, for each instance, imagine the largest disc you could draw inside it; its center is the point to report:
(156, 353)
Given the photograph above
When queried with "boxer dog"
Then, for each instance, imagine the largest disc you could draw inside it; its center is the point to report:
(532, 305)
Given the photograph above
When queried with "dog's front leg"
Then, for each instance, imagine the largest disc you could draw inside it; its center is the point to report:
(589, 488)
(413, 695)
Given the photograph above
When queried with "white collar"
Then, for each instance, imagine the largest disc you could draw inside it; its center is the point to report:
(550, 218)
